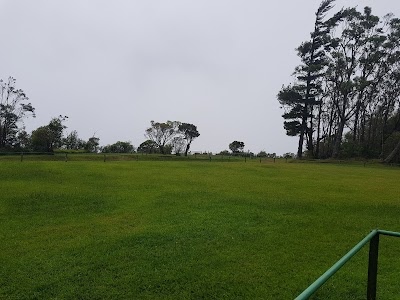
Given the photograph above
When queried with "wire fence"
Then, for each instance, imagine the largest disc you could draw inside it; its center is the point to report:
(60, 156)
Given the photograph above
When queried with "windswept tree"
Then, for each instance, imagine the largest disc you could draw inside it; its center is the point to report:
(236, 147)
(14, 106)
(301, 98)
(355, 68)
(171, 135)
(189, 132)
(162, 133)
(347, 90)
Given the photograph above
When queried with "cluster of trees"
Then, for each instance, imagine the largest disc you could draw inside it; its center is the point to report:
(344, 101)
(15, 106)
(237, 149)
(51, 137)
(48, 138)
(250, 154)
(169, 136)
(164, 138)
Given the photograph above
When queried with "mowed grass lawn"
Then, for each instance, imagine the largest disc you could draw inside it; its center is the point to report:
(193, 230)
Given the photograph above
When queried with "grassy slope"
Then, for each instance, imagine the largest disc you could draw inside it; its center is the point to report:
(178, 230)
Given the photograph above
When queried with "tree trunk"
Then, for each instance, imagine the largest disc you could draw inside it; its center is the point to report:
(1, 136)
(310, 145)
(187, 149)
(356, 120)
(392, 154)
(338, 139)
(332, 117)
(161, 149)
(362, 128)
(318, 130)
(301, 140)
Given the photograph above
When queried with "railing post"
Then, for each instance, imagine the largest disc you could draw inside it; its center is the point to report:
(373, 267)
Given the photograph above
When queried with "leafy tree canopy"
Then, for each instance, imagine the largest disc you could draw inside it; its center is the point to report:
(236, 147)
(14, 106)
(118, 147)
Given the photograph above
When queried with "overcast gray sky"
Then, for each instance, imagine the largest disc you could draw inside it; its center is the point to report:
(113, 66)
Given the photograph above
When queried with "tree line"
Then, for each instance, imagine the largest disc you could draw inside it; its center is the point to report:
(161, 137)
(164, 138)
(344, 100)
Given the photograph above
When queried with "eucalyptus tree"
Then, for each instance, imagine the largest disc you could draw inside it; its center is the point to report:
(236, 147)
(162, 133)
(14, 106)
(390, 92)
(354, 67)
(189, 132)
(178, 144)
(361, 78)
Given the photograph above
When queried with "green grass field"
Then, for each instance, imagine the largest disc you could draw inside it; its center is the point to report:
(193, 229)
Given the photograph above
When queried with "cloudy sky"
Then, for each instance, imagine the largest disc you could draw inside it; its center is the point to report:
(113, 66)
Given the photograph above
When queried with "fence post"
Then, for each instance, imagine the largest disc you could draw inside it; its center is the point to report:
(104, 159)
(66, 157)
(373, 267)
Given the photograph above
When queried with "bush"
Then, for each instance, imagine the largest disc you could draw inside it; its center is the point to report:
(224, 152)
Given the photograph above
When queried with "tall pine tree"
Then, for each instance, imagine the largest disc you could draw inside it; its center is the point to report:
(301, 98)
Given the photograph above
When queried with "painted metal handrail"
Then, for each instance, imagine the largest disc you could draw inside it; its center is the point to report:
(373, 238)
(389, 233)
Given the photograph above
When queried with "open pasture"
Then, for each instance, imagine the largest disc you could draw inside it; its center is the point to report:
(193, 230)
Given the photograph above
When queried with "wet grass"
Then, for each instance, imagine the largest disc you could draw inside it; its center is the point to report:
(192, 230)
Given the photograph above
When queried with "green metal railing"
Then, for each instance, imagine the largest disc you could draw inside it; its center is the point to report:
(373, 239)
